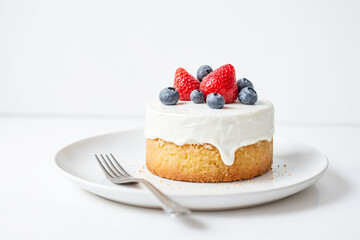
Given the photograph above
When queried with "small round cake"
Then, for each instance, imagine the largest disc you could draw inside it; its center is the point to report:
(192, 142)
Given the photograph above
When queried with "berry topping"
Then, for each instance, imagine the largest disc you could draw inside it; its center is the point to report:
(243, 82)
(248, 96)
(221, 81)
(169, 96)
(197, 96)
(203, 71)
(215, 100)
(185, 84)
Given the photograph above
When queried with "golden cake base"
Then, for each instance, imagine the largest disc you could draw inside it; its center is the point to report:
(202, 163)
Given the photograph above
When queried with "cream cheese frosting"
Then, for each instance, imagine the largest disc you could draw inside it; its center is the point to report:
(234, 126)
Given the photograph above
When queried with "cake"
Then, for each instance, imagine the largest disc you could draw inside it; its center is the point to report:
(197, 143)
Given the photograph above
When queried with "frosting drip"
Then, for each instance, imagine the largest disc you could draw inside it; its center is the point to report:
(234, 126)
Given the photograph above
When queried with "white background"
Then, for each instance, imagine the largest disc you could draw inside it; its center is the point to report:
(111, 57)
(75, 69)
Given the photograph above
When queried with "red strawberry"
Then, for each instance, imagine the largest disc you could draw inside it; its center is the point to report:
(185, 84)
(221, 81)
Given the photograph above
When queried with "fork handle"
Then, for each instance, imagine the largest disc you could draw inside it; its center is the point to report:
(169, 206)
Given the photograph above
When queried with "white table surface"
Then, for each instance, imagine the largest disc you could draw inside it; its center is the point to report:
(36, 202)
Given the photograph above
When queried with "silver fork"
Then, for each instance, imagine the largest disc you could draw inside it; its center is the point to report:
(117, 175)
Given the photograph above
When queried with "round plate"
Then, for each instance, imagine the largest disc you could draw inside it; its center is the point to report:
(296, 166)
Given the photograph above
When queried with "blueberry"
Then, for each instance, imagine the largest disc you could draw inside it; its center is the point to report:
(203, 71)
(197, 96)
(248, 96)
(243, 82)
(169, 96)
(215, 100)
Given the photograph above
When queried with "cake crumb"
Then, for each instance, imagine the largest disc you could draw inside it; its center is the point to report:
(160, 180)
(272, 178)
(140, 171)
(143, 167)
(289, 174)
(278, 166)
(208, 146)
(284, 165)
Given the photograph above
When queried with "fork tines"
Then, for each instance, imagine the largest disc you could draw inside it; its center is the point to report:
(111, 167)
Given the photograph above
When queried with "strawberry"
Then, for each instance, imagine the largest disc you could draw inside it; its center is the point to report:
(221, 81)
(185, 84)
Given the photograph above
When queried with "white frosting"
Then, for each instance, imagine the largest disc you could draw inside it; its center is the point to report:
(234, 126)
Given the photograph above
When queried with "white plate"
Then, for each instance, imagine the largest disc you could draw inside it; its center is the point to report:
(296, 166)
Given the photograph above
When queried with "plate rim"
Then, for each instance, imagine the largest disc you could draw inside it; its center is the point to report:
(179, 195)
